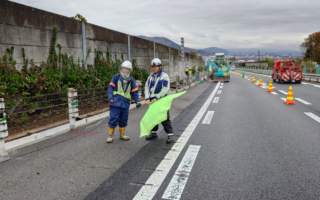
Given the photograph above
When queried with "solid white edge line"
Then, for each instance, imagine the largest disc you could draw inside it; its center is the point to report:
(302, 101)
(313, 116)
(180, 178)
(152, 185)
(207, 119)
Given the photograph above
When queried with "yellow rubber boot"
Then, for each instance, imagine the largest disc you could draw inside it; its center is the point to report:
(122, 136)
(110, 137)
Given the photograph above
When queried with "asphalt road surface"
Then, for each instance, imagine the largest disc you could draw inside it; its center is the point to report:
(233, 141)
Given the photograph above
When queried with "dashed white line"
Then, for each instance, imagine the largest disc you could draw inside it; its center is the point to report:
(180, 178)
(283, 92)
(274, 93)
(313, 116)
(216, 100)
(302, 101)
(208, 117)
(221, 86)
(284, 99)
(152, 185)
(219, 91)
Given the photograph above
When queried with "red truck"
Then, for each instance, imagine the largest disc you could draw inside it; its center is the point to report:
(286, 71)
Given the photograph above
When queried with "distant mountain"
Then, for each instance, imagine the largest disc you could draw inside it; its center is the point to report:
(204, 52)
(216, 50)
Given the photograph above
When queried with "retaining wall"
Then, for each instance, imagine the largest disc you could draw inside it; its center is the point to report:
(32, 29)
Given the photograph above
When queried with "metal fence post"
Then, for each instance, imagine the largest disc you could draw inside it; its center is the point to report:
(169, 64)
(177, 83)
(129, 47)
(73, 107)
(84, 45)
(3, 126)
(154, 49)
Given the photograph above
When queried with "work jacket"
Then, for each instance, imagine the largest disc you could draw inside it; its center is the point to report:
(157, 86)
(122, 100)
(186, 71)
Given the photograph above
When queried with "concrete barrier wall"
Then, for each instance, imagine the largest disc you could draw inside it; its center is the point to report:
(32, 29)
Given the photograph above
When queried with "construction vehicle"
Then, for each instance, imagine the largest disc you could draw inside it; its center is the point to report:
(286, 71)
(222, 71)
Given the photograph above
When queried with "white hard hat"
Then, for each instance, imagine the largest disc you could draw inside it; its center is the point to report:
(187, 66)
(127, 64)
(156, 61)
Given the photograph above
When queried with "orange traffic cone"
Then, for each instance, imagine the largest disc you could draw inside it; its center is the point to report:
(238, 73)
(290, 99)
(270, 88)
(253, 81)
(260, 82)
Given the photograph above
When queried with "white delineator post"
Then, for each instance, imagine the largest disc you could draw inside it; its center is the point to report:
(73, 107)
(3, 126)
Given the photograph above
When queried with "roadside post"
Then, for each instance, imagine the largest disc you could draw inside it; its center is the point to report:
(3, 126)
(73, 107)
(182, 57)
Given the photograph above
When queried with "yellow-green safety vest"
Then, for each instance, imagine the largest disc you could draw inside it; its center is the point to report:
(190, 72)
(121, 91)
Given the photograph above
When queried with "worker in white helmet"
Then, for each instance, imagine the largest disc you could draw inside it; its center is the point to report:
(157, 87)
(121, 89)
(187, 72)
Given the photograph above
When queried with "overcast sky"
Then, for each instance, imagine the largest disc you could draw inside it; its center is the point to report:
(275, 24)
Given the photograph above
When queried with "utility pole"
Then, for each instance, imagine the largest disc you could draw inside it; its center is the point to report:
(259, 56)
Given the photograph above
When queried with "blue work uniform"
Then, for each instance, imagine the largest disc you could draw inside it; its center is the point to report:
(119, 108)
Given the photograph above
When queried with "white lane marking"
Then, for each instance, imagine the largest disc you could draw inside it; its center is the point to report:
(313, 116)
(284, 99)
(219, 91)
(304, 83)
(152, 185)
(180, 178)
(216, 100)
(264, 87)
(207, 119)
(317, 86)
(302, 101)
(221, 86)
(283, 92)
(274, 93)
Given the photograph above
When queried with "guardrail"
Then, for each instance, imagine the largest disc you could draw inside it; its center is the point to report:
(29, 115)
(306, 76)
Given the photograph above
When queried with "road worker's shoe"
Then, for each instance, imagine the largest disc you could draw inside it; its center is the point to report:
(170, 138)
(152, 135)
(110, 137)
(122, 136)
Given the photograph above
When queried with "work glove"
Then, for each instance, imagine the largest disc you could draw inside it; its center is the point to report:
(138, 105)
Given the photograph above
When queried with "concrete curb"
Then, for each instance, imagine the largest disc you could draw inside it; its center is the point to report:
(65, 128)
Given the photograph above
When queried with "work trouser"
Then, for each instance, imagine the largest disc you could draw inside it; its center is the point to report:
(166, 125)
(197, 76)
(118, 116)
(187, 77)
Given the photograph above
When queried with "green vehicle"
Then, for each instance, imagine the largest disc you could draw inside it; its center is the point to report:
(222, 72)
